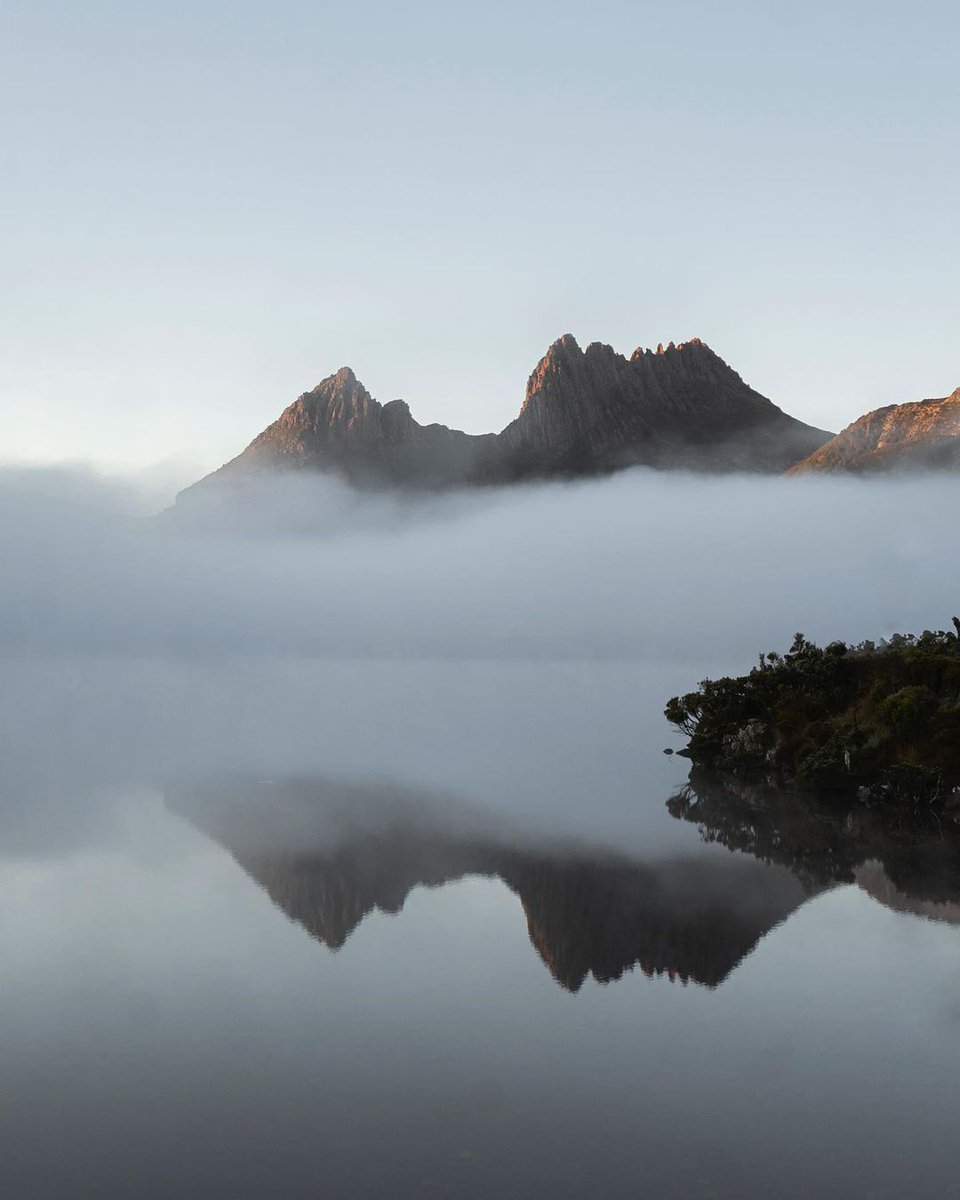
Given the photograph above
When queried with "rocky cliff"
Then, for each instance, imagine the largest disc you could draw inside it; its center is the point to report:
(340, 427)
(589, 411)
(901, 437)
(586, 412)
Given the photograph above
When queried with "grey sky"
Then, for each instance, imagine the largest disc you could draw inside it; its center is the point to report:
(206, 209)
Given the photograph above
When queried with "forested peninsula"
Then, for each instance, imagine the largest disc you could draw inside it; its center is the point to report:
(873, 722)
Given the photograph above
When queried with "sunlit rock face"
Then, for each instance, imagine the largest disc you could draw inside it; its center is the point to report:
(902, 437)
(339, 427)
(586, 412)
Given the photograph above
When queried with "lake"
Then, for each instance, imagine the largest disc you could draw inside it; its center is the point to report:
(299, 927)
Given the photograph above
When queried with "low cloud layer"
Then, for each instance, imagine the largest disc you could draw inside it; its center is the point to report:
(640, 565)
(514, 647)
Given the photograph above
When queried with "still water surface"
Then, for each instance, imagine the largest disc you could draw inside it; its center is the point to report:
(435, 932)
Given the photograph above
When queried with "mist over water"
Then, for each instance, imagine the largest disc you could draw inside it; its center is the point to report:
(664, 566)
(512, 647)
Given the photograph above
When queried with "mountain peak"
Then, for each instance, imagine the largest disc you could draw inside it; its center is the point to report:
(918, 435)
(340, 383)
(561, 357)
(692, 346)
(564, 349)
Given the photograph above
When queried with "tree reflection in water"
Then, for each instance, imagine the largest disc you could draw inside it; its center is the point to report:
(909, 861)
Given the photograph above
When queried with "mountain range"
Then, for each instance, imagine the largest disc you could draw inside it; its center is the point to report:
(585, 412)
(589, 412)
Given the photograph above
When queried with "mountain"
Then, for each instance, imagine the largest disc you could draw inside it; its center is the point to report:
(901, 437)
(586, 412)
(340, 427)
(594, 411)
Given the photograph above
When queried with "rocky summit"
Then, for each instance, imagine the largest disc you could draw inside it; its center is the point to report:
(901, 437)
(586, 412)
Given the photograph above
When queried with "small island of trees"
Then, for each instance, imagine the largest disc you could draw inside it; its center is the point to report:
(869, 722)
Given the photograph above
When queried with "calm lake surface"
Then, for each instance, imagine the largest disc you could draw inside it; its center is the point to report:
(378, 929)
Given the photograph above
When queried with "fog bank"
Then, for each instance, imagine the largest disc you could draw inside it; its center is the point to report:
(511, 649)
(640, 565)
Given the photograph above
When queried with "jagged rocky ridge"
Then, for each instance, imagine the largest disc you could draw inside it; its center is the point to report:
(586, 412)
(901, 437)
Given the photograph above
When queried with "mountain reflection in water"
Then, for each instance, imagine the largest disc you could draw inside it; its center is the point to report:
(329, 855)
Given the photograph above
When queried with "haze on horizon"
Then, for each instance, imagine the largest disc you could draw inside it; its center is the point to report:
(207, 211)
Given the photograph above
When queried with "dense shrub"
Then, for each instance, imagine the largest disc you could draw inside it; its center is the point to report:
(881, 720)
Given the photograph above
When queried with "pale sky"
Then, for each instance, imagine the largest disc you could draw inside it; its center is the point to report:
(208, 207)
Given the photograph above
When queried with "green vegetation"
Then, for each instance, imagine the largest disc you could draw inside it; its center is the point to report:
(874, 722)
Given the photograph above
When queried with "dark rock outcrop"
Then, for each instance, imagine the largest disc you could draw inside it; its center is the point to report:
(589, 411)
(921, 436)
(586, 412)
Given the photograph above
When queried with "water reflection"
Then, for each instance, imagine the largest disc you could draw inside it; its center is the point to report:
(329, 855)
(909, 862)
(170, 1033)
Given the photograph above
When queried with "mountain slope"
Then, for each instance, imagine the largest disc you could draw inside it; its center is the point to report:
(585, 413)
(680, 406)
(340, 427)
(901, 437)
